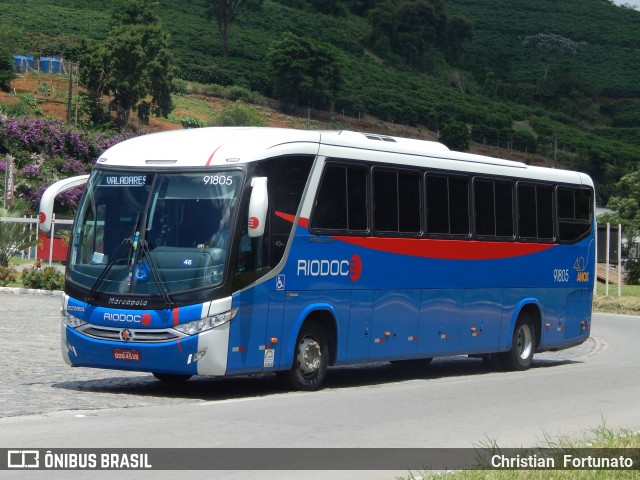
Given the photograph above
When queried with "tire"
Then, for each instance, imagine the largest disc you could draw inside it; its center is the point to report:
(310, 360)
(171, 377)
(523, 345)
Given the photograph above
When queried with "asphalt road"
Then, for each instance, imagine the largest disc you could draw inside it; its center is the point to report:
(455, 402)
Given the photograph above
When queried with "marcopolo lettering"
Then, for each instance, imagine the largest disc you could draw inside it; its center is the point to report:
(128, 302)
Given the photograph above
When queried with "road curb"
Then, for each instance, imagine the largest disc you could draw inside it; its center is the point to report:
(31, 291)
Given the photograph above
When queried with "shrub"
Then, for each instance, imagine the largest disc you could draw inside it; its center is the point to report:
(46, 278)
(190, 122)
(239, 115)
(633, 272)
(8, 275)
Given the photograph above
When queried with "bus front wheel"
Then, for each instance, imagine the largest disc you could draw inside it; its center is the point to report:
(523, 345)
(310, 361)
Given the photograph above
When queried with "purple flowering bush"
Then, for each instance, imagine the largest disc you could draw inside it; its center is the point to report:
(47, 150)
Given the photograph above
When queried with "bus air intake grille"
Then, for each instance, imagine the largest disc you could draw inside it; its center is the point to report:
(135, 335)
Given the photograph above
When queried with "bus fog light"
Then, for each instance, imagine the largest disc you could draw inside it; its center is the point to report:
(72, 349)
(194, 357)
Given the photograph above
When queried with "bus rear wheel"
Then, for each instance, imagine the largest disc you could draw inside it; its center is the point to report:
(523, 345)
(310, 361)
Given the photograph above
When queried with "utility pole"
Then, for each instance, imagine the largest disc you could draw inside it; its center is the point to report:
(70, 92)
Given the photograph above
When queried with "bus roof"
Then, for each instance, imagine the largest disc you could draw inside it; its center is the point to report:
(226, 146)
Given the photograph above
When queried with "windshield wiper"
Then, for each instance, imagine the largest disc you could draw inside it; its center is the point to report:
(114, 258)
(144, 245)
(132, 242)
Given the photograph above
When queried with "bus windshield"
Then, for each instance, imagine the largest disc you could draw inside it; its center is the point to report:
(153, 233)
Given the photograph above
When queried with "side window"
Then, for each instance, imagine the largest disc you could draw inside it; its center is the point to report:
(493, 201)
(574, 213)
(447, 205)
(535, 212)
(396, 201)
(341, 203)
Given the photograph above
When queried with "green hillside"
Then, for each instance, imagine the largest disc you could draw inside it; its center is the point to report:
(585, 111)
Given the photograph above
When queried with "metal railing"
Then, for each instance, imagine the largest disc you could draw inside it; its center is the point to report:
(34, 228)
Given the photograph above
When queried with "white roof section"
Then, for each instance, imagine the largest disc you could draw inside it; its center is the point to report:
(226, 146)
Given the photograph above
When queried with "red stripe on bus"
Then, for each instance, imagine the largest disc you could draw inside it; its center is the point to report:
(212, 154)
(435, 248)
(447, 249)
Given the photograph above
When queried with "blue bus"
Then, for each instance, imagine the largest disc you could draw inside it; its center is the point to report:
(231, 251)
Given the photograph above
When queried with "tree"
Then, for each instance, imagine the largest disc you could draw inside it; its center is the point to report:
(626, 204)
(549, 48)
(455, 135)
(225, 12)
(420, 25)
(14, 237)
(134, 64)
(458, 30)
(305, 70)
(8, 46)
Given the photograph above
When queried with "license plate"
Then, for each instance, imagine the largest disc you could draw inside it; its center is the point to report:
(129, 355)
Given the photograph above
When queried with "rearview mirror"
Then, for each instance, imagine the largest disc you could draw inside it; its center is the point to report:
(258, 206)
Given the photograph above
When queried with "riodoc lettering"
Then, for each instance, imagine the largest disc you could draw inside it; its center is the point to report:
(122, 317)
(351, 268)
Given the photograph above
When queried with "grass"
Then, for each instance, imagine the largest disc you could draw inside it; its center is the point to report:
(599, 438)
(627, 304)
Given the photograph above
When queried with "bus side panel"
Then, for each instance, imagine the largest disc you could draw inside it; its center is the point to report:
(579, 304)
(395, 324)
(440, 320)
(247, 336)
(481, 324)
(554, 320)
(360, 325)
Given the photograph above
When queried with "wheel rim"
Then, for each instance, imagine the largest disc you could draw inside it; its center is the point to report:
(309, 355)
(524, 341)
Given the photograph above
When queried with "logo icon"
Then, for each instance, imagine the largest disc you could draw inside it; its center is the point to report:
(126, 335)
(280, 282)
(23, 459)
(355, 268)
(253, 223)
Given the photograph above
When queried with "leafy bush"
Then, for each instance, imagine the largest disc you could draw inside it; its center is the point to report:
(46, 278)
(190, 122)
(8, 275)
(633, 272)
(455, 135)
(239, 115)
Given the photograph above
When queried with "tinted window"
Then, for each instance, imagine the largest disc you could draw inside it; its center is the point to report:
(341, 203)
(574, 213)
(535, 212)
(396, 197)
(447, 205)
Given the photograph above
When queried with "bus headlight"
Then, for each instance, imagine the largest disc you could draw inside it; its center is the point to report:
(71, 321)
(204, 324)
